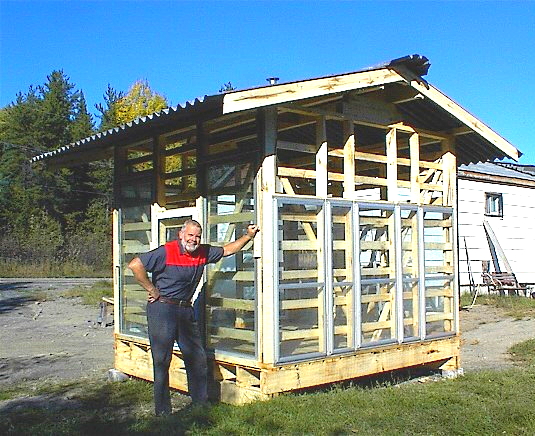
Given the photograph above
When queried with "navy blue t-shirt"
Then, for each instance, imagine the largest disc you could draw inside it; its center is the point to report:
(175, 271)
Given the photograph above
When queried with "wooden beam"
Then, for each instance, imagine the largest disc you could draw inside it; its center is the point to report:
(468, 119)
(414, 145)
(278, 94)
(449, 161)
(321, 158)
(348, 154)
(267, 136)
(391, 165)
(295, 146)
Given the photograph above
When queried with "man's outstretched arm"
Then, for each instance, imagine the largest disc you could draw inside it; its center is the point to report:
(238, 244)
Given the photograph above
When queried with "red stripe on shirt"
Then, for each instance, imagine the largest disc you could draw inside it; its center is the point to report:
(175, 257)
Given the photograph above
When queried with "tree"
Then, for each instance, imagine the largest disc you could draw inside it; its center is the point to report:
(139, 101)
(44, 118)
(108, 113)
(82, 124)
(226, 87)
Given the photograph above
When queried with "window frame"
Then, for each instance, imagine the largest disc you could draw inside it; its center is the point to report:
(493, 196)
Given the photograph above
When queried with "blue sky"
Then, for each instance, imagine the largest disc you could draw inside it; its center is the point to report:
(482, 53)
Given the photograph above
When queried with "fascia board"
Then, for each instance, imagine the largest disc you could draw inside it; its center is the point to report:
(284, 93)
(466, 118)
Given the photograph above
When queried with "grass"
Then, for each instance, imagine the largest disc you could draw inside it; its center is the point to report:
(513, 306)
(48, 268)
(90, 295)
(93, 294)
(479, 403)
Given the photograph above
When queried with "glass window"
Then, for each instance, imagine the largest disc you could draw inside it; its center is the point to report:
(378, 274)
(342, 276)
(135, 238)
(301, 279)
(230, 290)
(439, 272)
(410, 264)
(493, 204)
(405, 276)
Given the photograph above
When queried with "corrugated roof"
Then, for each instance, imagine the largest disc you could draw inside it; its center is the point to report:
(434, 112)
(149, 120)
(496, 169)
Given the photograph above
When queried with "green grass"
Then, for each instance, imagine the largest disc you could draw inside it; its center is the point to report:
(481, 403)
(48, 268)
(524, 353)
(515, 306)
(91, 295)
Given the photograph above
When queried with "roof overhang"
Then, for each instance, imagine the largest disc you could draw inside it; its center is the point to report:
(432, 111)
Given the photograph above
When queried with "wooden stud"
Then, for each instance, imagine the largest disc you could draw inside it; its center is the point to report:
(349, 159)
(321, 158)
(391, 166)
(414, 145)
(267, 126)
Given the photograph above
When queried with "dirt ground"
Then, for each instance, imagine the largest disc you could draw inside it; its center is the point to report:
(55, 339)
(59, 338)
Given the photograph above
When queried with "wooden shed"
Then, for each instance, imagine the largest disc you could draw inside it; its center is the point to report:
(352, 179)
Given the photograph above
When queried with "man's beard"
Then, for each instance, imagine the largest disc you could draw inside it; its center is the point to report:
(191, 247)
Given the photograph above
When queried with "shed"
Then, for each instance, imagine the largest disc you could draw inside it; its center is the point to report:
(352, 179)
(496, 228)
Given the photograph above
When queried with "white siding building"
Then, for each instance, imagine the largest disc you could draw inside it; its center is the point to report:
(503, 195)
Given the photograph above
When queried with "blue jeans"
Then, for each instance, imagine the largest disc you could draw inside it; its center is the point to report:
(169, 323)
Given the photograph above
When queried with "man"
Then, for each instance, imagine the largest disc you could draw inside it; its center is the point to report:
(177, 268)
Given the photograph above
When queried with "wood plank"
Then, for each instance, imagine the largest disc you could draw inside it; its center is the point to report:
(296, 172)
(233, 218)
(376, 298)
(439, 316)
(442, 269)
(443, 292)
(321, 158)
(468, 119)
(133, 227)
(130, 246)
(290, 245)
(238, 276)
(309, 231)
(277, 94)
(232, 333)
(232, 303)
(364, 362)
(375, 245)
(349, 159)
(373, 181)
(391, 166)
(295, 146)
(291, 335)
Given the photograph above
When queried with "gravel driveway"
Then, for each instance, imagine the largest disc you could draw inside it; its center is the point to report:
(59, 339)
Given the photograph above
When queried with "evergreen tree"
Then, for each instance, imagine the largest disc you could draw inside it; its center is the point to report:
(39, 198)
(108, 113)
(82, 125)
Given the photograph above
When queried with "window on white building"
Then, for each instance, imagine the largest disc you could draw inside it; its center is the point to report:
(493, 204)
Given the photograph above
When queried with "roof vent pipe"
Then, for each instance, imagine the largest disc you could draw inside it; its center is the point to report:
(272, 80)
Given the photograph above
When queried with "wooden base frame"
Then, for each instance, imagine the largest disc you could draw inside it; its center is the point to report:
(238, 383)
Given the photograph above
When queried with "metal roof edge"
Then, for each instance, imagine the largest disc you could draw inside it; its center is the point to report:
(167, 112)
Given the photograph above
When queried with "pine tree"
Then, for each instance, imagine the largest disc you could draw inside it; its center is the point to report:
(108, 115)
